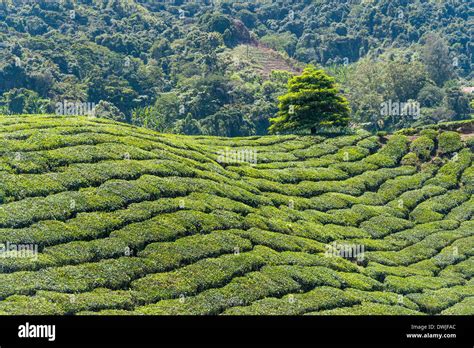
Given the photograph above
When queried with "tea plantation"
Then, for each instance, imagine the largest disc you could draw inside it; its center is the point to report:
(129, 221)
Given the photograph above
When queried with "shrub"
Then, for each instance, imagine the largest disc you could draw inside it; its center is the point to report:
(408, 200)
(418, 283)
(28, 305)
(351, 153)
(430, 133)
(317, 150)
(449, 142)
(378, 271)
(211, 272)
(98, 299)
(393, 188)
(358, 281)
(370, 143)
(192, 248)
(281, 242)
(470, 143)
(435, 301)
(382, 225)
(467, 179)
(448, 175)
(410, 159)
(115, 273)
(383, 297)
(463, 268)
(240, 291)
(422, 147)
(318, 299)
(305, 259)
(369, 308)
(434, 208)
(310, 277)
(421, 231)
(418, 251)
(331, 200)
(463, 212)
(355, 168)
(80, 252)
(465, 307)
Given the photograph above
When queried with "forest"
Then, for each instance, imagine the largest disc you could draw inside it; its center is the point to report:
(218, 67)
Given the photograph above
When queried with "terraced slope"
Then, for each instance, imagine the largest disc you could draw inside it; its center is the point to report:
(264, 60)
(128, 221)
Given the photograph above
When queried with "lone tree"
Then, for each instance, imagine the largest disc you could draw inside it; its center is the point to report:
(312, 101)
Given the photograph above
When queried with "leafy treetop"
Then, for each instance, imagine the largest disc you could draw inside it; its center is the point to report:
(312, 101)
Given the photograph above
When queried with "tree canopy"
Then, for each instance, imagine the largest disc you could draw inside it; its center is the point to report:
(217, 58)
(312, 102)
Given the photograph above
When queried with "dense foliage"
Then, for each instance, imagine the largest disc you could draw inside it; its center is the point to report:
(205, 67)
(129, 221)
(311, 102)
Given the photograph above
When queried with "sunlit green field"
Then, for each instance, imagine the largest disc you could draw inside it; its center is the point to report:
(129, 221)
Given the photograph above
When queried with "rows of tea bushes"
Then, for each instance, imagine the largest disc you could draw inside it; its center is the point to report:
(123, 220)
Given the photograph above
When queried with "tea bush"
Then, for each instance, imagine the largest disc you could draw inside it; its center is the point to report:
(422, 147)
(126, 221)
(449, 142)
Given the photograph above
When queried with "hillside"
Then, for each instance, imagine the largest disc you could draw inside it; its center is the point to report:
(264, 60)
(130, 221)
(170, 65)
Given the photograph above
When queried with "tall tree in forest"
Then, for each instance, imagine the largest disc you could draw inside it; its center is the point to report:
(435, 54)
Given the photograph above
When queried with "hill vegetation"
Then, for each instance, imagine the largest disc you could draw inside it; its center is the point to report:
(130, 221)
(205, 67)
